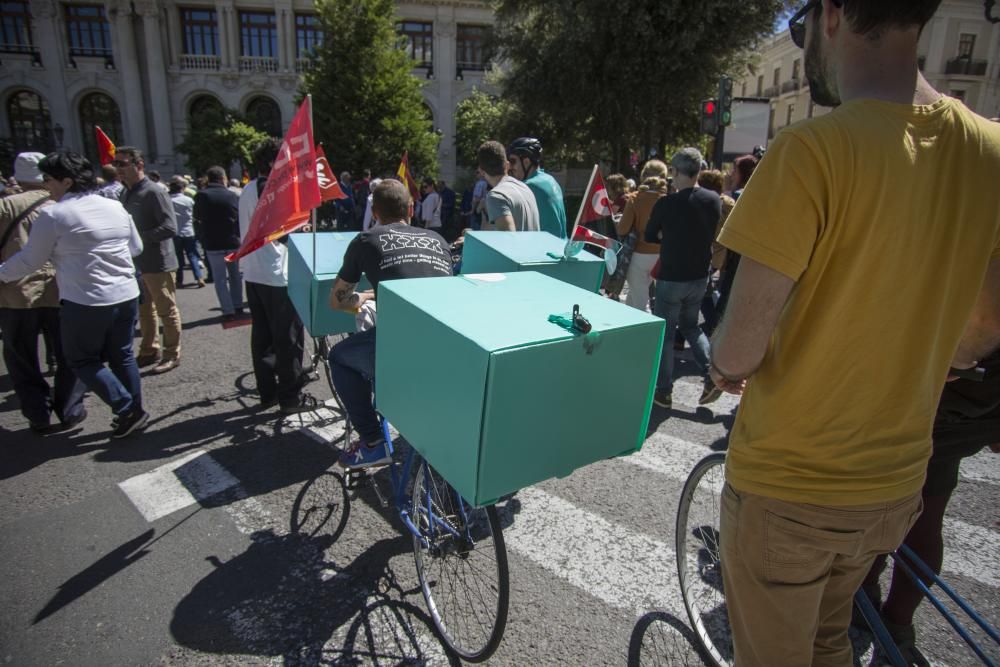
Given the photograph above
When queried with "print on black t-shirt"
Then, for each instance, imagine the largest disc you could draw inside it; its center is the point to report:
(398, 250)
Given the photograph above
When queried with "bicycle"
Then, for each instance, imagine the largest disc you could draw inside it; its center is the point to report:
(459, 551)
(700, 574)
(319, 361)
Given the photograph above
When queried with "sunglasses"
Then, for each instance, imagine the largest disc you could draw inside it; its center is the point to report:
(797, 24)
(121, 163)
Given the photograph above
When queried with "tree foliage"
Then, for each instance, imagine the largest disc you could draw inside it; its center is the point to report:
(367, 106)
(478, 118)
(219, 137)
(624, 75)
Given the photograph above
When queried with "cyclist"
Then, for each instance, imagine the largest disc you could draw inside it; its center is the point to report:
(842, 364)
(525, 157)
(390, 249)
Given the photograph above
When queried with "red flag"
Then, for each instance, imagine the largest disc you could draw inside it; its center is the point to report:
(407, 178)
(588, 235)
(595, 204)
(329, 188)
(105, 147)
(292, 189)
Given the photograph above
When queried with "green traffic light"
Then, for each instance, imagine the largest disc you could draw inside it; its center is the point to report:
(727, 117)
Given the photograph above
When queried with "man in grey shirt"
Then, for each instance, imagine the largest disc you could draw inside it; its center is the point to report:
(510, 205)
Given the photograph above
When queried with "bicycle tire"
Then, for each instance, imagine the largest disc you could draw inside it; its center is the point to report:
(320, 362)
(698, 565)
(445, 561)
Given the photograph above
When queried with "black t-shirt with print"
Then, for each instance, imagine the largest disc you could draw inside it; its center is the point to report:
(397, 250)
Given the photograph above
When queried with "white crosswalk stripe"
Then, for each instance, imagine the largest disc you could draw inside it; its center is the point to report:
(176, 485)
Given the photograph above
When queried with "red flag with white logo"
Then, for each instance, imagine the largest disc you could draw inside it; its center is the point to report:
(329, 186)
(596, 204)
(292, 189)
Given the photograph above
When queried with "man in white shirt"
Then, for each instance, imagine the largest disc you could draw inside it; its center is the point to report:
(430, 209)
(91, 241)
(277, 334)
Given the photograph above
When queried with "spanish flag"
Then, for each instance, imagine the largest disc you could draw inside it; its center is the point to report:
(105, 147)
(407, 178)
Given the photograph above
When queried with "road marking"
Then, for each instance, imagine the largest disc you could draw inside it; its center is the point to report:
(176, 485)
(625, 569)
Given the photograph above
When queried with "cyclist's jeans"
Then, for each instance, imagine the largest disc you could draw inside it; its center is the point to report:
(352, 367)
(790, 571)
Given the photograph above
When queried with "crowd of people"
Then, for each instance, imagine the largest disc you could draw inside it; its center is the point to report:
(788, 277)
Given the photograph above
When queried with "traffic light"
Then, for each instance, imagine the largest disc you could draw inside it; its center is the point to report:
(725, 102)
(709, 120)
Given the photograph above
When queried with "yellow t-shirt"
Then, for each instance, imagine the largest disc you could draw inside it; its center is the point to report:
(886, 216)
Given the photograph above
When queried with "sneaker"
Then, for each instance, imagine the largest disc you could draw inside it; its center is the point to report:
(305, 403)
(165, 366)
(663, 399)
(905, 637)
(710, 394)
(363, 455)
(201, 283)
(130, 422)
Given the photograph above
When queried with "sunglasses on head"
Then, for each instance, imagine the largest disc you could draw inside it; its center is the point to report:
(797, 24)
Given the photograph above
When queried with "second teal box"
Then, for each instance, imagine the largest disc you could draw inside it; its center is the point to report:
(309, 287)
(501, 252)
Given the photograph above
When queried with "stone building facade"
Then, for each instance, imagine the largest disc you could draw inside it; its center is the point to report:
(139, 68)
(959, 53)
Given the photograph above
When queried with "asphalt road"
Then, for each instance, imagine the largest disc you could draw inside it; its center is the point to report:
(205, 541)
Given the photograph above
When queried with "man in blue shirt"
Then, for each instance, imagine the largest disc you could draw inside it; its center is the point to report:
(525, 157)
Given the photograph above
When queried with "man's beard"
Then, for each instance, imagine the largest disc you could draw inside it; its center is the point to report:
(820, 90)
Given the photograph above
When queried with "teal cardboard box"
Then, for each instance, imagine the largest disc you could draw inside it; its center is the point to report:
(310, 290)
(495, 396)
(499, 252)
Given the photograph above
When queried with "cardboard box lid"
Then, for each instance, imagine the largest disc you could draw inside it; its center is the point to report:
(529, 247)
(499, 311)
(330, 249)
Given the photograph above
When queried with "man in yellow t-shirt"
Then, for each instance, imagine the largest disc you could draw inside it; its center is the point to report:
(867, 237)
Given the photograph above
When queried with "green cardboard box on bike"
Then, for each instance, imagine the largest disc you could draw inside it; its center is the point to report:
(496, 396)
(309, 289)
(492, 252)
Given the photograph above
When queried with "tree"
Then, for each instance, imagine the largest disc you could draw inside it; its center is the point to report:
(367, 106)
(631, 76)
(219, 137)
(478, 118)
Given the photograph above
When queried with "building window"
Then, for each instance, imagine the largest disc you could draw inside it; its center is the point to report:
(743, 89)
(472, 49)
(760, 85)
(15, 27)
(777, 77)
(958, 95)
(258, 35)
(788, 114)
(201, 32)
(796, 67)
(308, 35)
(30, 122)
(419, 41)
(204, 104)
(99, 110)
(966, 45)
(264, 114)
(88, 30)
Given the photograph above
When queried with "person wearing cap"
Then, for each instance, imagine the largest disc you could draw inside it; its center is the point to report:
(91, 241)
(29, 306)
(525, 157)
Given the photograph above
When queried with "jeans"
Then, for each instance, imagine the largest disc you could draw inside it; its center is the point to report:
(91, 334)
(276, 344)
(228, 280)
(187, 246)
(21, 328)
(678, 304)
(352, 367)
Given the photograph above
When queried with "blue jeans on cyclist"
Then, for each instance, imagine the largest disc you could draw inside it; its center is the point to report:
(352, 368)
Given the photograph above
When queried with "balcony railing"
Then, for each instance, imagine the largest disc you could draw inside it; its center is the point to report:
(106, 54)
(791, 85)
(199, 63)
(258, 64)
(304, 64)
(771, 91)
(965, 66)
(23, 49)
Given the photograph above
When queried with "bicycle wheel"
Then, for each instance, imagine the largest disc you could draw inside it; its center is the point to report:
(698, 566)
(321, 361)
(463, 574)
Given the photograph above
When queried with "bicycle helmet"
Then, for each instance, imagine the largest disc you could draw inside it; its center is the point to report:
(528, 147)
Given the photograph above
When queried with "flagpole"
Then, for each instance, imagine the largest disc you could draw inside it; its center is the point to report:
(312, 216)
(579, 213)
